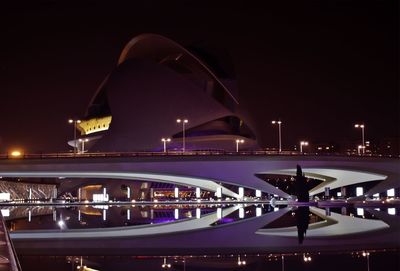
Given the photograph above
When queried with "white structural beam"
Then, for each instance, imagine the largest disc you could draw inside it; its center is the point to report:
(204, 184)
(332, 178)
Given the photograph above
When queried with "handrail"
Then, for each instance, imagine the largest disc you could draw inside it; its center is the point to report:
(186, 153)
(12, 255)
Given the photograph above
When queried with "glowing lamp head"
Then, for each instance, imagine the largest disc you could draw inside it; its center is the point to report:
(16, 153)
(72, 121)
(61, 224)
(182, 120)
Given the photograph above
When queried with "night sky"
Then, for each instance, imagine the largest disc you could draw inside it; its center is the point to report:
(320, 66)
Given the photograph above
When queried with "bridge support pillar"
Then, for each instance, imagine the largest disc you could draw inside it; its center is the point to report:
(343, 191)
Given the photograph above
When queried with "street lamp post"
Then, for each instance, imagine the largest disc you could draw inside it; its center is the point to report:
(83, 144)
(359, 149)
(165, 140)
(280, 134)
(75, 122)
(303, 143)
(237, 144)
(362, 126)
(183, 121)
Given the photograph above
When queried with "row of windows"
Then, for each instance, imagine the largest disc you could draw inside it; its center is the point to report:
(98, 127)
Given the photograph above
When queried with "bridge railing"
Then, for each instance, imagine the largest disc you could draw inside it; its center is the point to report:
(180, 153)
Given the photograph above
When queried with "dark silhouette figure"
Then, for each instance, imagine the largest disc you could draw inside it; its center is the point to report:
(301, 187)
(303, 218)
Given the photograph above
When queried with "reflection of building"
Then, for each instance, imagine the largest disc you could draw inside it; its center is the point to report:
(156, 82)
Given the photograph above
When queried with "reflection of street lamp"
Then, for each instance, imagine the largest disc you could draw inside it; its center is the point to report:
(240, 262)
(306, 258)
(83, 144)
(362, 126)
(303, 143)
(166, 265)
(165, 140)
(237, 144)
(280, 138)
(75, 122)
(366, 254)
(184, 121)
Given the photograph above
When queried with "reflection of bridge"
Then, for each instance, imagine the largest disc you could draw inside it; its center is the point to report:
(207, 171)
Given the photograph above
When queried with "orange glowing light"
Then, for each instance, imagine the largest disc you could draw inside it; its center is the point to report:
(16, 153)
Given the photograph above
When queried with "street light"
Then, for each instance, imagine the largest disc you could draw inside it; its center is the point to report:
(237, 144)
(303, 143)
(183, 121)
(279, 129)
(359, 147)
(362, 126)
(165, 140)
(75, 122)
(83, 144)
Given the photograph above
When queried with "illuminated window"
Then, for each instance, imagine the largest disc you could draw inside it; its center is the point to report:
(390, 192)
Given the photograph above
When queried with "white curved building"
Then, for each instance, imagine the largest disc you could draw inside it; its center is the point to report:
(156, 82)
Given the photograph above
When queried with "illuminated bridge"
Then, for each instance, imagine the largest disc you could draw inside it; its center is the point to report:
(227, 172)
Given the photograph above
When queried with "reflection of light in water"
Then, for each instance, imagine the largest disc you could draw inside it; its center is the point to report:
(258, 211)
(241, 192)
(79, 215)
(198, 212)
(360, 211)
(176, 214)
(391, 211)
(104, 214)
(128, 214)
(241, 212)
(219, 213)
(5, 212)
(29, 215)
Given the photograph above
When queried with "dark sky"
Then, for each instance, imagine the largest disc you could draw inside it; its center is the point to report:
(320, 66)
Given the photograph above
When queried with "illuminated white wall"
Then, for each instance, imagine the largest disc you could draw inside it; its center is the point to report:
(359, 191)
(5, 196)
(100, 197)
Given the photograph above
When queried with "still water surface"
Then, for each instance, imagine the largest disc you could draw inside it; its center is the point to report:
(204, 237)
